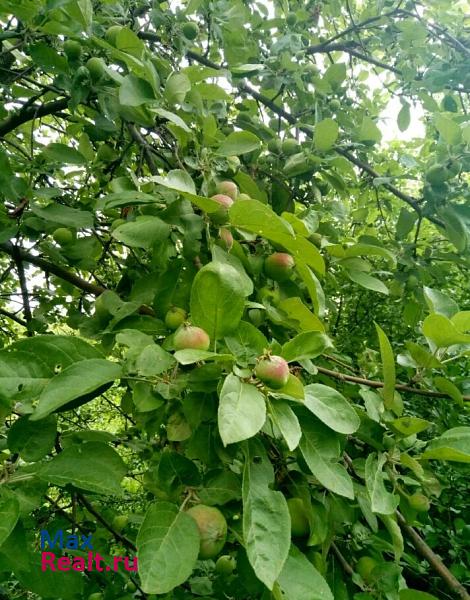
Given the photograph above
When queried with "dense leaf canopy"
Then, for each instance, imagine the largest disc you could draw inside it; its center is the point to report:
(153, 155)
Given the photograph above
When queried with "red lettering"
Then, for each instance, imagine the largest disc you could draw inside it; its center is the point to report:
(117, 559)
(78, 563)
(98, 559)
(47, 559)
(134, 564)
(63, 563)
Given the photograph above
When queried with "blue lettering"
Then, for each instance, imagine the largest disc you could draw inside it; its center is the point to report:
(46, 538)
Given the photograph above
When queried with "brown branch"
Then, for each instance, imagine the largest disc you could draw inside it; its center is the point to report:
(23, 284)
(379, 384)
(90, 508)
(32, 112)
(62, 273)
(13, 317)
(436, 563)
(137, 136)
(342, 561)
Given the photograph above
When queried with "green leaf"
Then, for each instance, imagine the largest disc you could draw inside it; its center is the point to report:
(461, 321)
(369, 132)
(217, 300)
(381, 500)
(403, 118)
(28, 365)
(92, 466)
(239, 142)
(153, 360)
(331, 408)
(388, 367)
(305, 345)
(125, 198)
(370, 250)
(256, 217)
(175, 119)
(449, 130)
(30, 440)
(321, 451)
(176, 88)
(406, 222)
(395, 533)
(64, 215)
(439, 302)
(326, 134)
(286, 421)
(247, 342)
(135, 91)
(180, 181)
(293, 389)
(144, 232)
(453, 445)
(168, 545)
(442, 332)
(9, 515)
(190, 356)
(314, 288)
(299, 313)
(266, 520)
(64, 154)
(422, 357)
(219, 488)
(176, 470)
(76, 380)
(299, 580)
(367, 281)
(410, 594)
(242, 410)
(409, 425)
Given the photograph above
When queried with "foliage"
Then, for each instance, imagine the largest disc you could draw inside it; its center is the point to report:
(119, 123)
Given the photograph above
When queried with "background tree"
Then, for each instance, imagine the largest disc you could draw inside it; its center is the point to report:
(233, 310)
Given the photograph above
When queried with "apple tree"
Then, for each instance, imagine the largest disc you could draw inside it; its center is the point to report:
(234, 308)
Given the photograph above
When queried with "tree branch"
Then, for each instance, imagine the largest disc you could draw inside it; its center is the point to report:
(13, 317)
(379, 384)
(23, 285)
(62, 273)
(31, 112)
(436, 563)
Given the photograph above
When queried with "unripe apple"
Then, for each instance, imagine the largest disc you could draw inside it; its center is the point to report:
(72, 50)
(228, 188)
(96, 596)
(279, 266)
(335, 104)
(244, 196)
(290, 147)
(212, 529)
(225, 565)
(291, 19)
(175, 317)
(191, 337)
(97, 68)
(226, 237)
(256, 316)
(190, 30)
(299, 523)
(220, 216)
(364, 566)
(131, 587)
(419, 502)
(119, 522)
(272, 371)
(112, 33)
(275, 146)
(63, 236)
